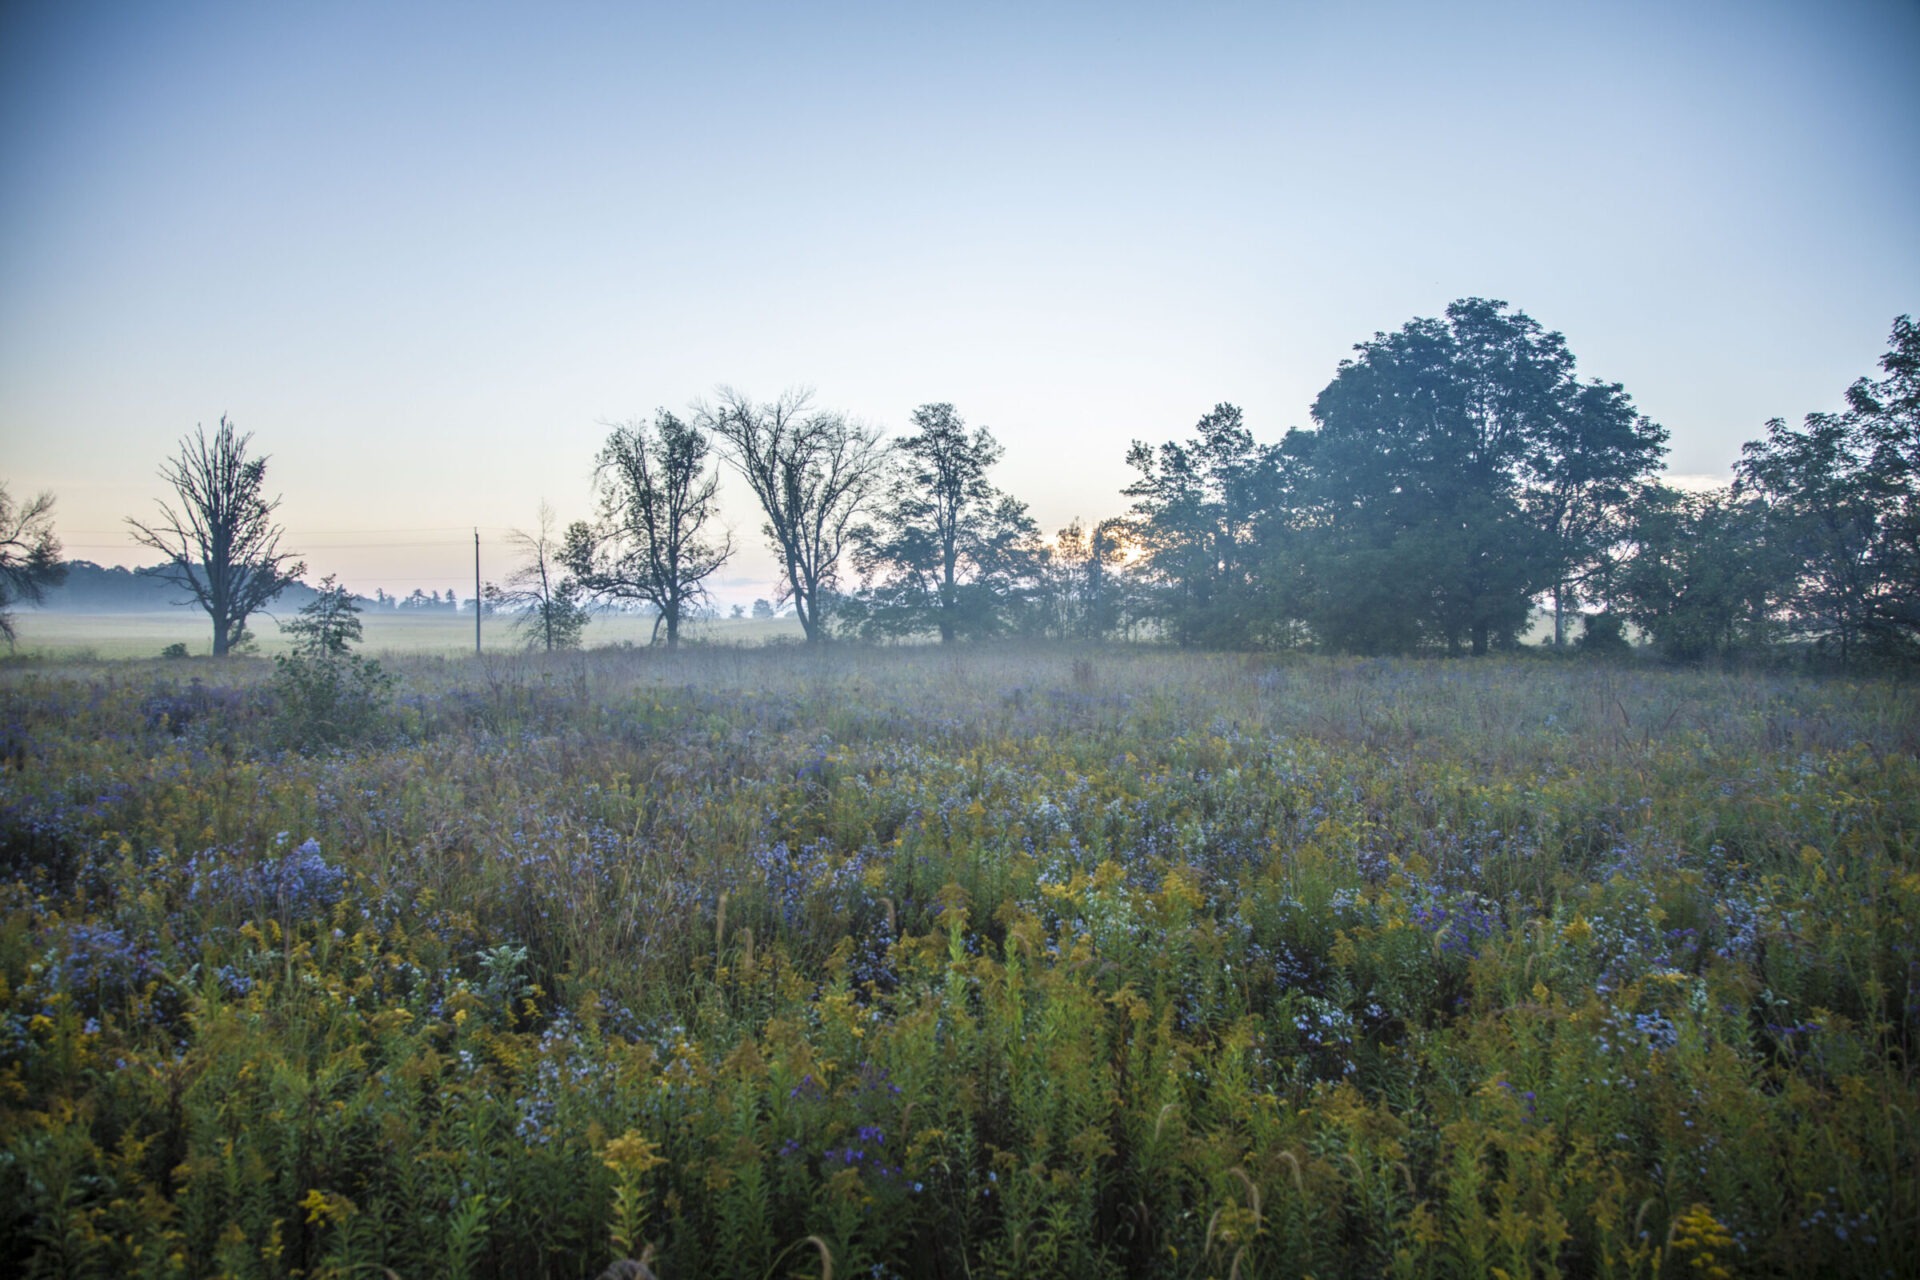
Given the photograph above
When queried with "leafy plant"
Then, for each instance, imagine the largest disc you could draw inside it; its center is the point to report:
(326, 694)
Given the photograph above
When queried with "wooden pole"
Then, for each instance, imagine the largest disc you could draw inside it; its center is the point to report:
(476, 593)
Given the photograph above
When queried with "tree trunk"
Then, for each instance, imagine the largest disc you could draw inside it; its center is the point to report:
(1479, 639)
(946, 600)
(1559, 615)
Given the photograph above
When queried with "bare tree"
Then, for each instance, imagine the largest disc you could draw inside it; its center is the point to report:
(656, 497)
(221, 542)
(29, 555)
(541, 591)
(813, 471)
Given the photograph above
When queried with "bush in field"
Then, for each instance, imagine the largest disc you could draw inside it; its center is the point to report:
(327, 694)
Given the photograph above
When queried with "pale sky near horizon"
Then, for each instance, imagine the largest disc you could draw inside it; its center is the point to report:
(425, 252)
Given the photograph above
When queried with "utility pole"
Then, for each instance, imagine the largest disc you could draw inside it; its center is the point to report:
(477, 598)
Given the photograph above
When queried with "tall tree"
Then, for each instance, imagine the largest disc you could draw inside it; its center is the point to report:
(1590, 462)
(813, 472)
(1204, 514)
(545, 597)
(1457, 470)
(657, 499)
(947, 551)
(1890, 407)
(1844, 491)
(220, 540)
(29, 555)
(1705, 575)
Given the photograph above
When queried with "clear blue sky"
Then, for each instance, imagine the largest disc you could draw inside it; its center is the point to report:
(423, 252)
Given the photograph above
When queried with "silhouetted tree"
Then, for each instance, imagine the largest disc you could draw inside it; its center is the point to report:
(1705, 576)
(1890, 408)
(539, 590)
(813, 473)
(947, 551)
(1843, 493)
(1458, 470)
(29, 555)
(1206, 513)
(1591, 460)
(657, 498)
(1083, 587)
(220, 540)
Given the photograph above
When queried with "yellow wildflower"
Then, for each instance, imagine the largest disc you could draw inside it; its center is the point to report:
(326, 1210)
(632, 1152)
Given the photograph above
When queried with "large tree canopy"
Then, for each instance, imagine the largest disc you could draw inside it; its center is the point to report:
(1457, 471)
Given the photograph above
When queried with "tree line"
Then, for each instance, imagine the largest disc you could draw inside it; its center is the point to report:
(1458, 475)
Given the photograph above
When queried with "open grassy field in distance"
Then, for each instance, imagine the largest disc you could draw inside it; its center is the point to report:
(987, 962)
(47, 634)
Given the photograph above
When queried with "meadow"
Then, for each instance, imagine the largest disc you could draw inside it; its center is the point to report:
(905, 962)
(60, 634)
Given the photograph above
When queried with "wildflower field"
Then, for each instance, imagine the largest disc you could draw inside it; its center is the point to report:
(992, 963)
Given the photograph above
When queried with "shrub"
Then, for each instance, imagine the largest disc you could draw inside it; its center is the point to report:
(327, 694)
(330, 700)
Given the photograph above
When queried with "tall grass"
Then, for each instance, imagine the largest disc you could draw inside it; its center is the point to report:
(907, 962)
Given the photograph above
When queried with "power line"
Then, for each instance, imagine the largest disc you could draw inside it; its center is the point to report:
(462, 531)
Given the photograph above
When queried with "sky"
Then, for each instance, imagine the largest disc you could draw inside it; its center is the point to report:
(426, 254)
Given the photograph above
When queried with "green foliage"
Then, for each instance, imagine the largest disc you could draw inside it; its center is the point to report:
(953, 963)
(29, 555)
(1459, 469)
(326, 695)
(542, 592)
(330, 701)
(1605, 634)
(656, 499)
(947, 553)
(1842, 492)
(1706, 574)
(1209, 514)
(328, 625)
(1082, 590)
